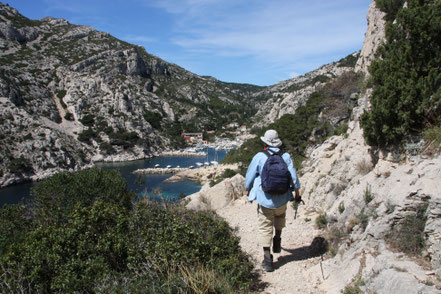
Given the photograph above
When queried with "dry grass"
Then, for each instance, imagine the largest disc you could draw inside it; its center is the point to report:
(364, 167)
(200, 280)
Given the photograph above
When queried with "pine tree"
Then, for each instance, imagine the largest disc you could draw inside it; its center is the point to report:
(406, 75)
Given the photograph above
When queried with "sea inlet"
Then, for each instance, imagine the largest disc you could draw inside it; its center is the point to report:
(143, 185)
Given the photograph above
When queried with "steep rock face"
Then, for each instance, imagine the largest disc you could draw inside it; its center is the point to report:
(374, 36)
(367, 196)
(107, 100)
(218, 196)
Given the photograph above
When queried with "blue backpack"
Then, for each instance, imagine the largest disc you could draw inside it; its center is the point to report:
(276, 178)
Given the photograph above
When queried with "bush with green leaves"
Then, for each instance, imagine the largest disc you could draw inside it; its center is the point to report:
(88, 120)
(56, 197)
(408, 235)
(124, 139)
(15, 223)
(405, 75)
(83, 234)
(321, 221)
(20, 165)
(87, 135)
(228, 173)
(153, 118)
(432, 137)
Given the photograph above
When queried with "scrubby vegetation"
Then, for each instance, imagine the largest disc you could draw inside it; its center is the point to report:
(408, 235)
(311, 122)
(228, 173)
(84, 234)
(405, 75)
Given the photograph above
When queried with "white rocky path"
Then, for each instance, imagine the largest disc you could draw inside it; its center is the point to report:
(292, 265)
(297, 258)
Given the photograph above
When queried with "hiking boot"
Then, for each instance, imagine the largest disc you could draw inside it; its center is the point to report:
(277, 244)
(267, 263)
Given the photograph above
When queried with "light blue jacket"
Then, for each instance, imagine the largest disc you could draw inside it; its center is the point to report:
(253, 181)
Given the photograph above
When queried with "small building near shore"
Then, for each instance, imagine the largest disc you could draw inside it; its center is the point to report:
(192, 138)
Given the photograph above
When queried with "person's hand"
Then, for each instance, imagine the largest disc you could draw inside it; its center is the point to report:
(297, 198)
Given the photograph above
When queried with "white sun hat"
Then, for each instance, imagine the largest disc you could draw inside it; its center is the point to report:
(271, 138)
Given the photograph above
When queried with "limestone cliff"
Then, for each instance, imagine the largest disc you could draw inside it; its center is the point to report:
(71, 95)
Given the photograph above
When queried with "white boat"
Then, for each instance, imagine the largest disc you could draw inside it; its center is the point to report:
(214, 162)
(206, 163)
(178, 166)
(168, 166)
(190, 167)
(199, 164)
(156, 165)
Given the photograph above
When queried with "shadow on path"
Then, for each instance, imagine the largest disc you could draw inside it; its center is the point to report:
(318, 247)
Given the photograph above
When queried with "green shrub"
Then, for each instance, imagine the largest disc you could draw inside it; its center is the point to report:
(341, 207)
(87, 135)
(88, 120)
(348, 61)
(124, 139)
(362, 219)
(20, 165)
(432, 137)
(28, 137)
(408, 235)
(354, 286)
(72, 256)
(405, 75)
(86, 236)
(106, 148)
(56, 196)
(153, 118)
(61, 93)
(321, 221)
(14, 225)
(341, 129)
(390, 7)
(367, 196)
(69, 116)
(228, 173)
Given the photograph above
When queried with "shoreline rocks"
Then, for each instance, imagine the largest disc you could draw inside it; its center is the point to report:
(202, 175)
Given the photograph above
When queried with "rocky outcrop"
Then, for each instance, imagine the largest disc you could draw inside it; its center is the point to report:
(374, 37)
(219, 196)
(202, 175)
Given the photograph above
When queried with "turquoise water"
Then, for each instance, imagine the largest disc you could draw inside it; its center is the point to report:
(142, 185)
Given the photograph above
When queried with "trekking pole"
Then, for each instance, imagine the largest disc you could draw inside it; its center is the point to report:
(296, 206)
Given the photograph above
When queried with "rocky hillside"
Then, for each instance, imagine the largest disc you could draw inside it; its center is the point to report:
(285, 97)
(71, 95)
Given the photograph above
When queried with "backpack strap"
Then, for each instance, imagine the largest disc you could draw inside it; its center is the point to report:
(268, 153)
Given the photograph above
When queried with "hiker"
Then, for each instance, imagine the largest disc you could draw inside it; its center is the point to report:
(272, 204)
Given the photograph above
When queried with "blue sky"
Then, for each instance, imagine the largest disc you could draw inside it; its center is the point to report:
(259, 42)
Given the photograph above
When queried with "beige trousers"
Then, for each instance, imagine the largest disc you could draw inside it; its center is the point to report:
(269, 218)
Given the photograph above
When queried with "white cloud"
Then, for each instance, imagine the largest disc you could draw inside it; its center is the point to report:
(278, 32)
